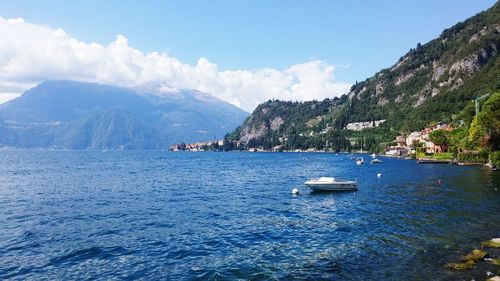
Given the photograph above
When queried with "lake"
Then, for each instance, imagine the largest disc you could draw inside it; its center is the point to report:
(222, 216)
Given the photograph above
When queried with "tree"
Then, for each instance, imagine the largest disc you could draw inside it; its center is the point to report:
(495, 158)
(476, 133)
(441, 138)
(458, 140)
(485, 127)
(489, 120)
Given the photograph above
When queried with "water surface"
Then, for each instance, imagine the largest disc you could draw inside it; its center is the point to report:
(222, 216)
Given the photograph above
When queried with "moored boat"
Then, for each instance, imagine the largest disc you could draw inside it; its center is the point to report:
(331, 184)
(360, 161)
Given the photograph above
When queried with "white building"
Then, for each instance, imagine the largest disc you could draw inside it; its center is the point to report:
(413, 137)
(358, 126)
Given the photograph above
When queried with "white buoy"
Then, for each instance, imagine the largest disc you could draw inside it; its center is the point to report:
(295, 191)
(379, 175)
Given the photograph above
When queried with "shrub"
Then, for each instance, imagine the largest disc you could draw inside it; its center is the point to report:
(495, 158)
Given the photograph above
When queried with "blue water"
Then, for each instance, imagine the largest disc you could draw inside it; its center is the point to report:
(223, 216)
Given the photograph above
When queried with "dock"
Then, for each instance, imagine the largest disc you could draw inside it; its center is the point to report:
(433, 161)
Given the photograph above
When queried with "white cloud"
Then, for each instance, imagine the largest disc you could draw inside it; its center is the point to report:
(8, 96)
(31, 53)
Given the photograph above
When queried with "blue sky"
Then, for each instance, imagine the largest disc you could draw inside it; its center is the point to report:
(357, 37)
(364, 35)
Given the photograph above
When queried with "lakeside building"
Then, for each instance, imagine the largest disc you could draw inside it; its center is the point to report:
(413, 139)
(358, 126)
(395, 151)
(197, 146)
(208, 145)
(400, 140)
(406, 145)
(400, 149)
(428, 145)
(277, 148)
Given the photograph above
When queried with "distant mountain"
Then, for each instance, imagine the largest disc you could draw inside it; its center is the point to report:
(75, 115)
(433, 82)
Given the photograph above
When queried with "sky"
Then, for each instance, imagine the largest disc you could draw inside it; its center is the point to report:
(244, 52)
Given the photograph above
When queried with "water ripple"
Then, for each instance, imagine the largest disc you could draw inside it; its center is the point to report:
(225, 216)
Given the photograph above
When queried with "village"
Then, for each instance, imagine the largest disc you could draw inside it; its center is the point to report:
(405, 146)
(415, 145)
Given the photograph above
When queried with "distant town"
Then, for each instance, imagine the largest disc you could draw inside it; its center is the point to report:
(403, 146)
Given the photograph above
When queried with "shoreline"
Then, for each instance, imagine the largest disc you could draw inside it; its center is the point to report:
(423, 161)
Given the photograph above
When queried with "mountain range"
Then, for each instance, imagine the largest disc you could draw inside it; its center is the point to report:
(77, 115)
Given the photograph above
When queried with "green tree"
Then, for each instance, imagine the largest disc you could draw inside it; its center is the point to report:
(485, 127)
(458, 140)
(476, 133)
(489, 120)
(441, 138)
(495, 158)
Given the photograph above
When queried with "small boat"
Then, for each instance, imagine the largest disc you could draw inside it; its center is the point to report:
(375, 161)
(331, 184)
(360, 161)
(373, 155)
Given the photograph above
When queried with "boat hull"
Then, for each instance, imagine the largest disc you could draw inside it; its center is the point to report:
(332, 186)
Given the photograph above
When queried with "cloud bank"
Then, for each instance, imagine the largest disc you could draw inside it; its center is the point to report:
(31, 53)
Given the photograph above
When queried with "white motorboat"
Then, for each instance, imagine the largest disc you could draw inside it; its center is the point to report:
(375, 161)
(373, 155)
(360, 161)
(331, 184)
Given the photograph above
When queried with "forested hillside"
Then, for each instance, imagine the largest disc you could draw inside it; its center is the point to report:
(433, 82)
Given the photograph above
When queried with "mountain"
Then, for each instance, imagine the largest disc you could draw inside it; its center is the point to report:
(76, 115)
(433, 82)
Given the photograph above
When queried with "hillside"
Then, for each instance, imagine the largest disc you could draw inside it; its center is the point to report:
(433, 82)
(74, 115)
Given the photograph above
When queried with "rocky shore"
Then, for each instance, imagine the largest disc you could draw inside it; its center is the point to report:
(483, 263)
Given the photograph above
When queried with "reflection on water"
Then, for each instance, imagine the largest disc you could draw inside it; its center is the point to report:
(231, 215)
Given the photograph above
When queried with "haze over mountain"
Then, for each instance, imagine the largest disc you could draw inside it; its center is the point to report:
(76, 115)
